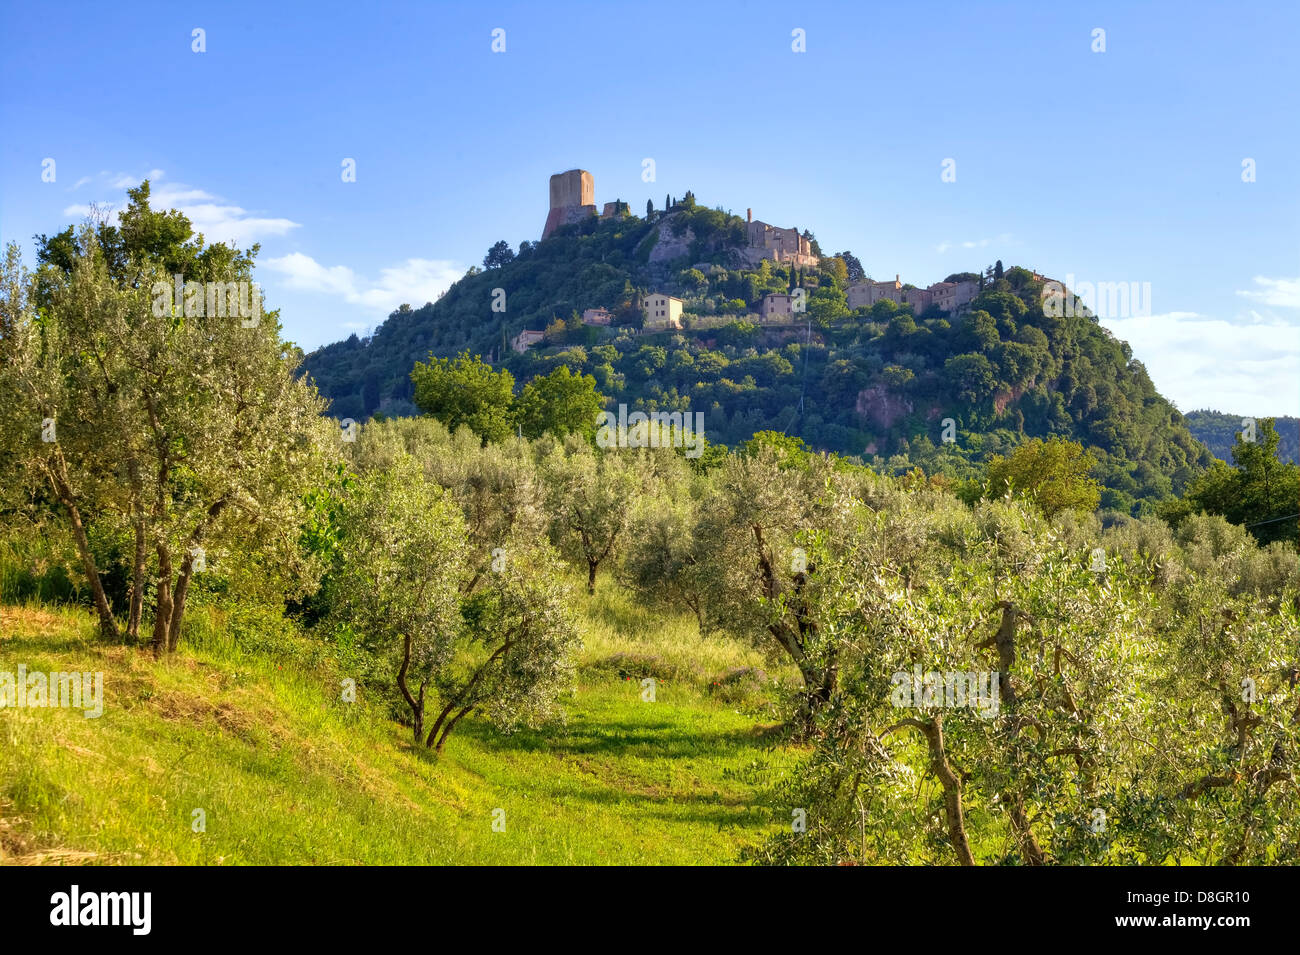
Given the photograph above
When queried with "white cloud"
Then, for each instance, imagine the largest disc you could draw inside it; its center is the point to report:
(947, 244)
(126, 180)
(414, 281)
(303, 273)
(1284, 293)
(216, 219)
(1242, 367)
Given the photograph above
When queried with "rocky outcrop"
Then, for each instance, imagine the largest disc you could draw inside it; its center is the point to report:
(881, 407)
(1006, 397)
(669, 245)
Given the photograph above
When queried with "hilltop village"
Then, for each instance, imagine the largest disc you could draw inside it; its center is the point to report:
(573, 199)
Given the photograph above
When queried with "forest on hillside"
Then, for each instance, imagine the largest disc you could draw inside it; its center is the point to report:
(876, 383)
(1218, 432)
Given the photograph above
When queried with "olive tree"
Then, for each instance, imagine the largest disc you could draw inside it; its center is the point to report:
(458, 638)
(496, 485)
(401, 554)
(666, 558)
(518, 643)
(979, 718)
(762, 530)
(60, 430)
(1217, 781)
(178, 417)
(589, 495)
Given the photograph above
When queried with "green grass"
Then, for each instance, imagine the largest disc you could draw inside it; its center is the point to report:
(286, 772)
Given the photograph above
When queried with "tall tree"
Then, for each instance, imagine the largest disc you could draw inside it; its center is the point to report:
(1260, 491)
(177, 418)
(856, 272)
(500, 254)
(465, 391)
(1053, 474)
(560, 403)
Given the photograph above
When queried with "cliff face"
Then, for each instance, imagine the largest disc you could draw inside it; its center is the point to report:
(1003, 399)
(705, 235)
(670, 246)
(881, 407)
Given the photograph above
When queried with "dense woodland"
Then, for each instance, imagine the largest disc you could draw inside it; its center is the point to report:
(1138, 611)
(1218, 432)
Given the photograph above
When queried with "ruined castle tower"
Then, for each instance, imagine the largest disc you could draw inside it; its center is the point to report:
(573, 198)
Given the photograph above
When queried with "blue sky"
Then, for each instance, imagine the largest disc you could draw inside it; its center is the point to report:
(1115, 166)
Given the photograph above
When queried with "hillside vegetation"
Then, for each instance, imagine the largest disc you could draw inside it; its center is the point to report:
(1218, 432)
(876, 383)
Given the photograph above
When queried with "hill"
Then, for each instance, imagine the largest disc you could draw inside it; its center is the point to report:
(1218, 432)
(876, 382)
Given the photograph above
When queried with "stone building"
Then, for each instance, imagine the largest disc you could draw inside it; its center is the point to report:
(950, 296)
(919, 298)
(662, 311)
(573, 198)
(866, 294)
(596, 316)
(525, 339)
(776, 306)
(786, 246)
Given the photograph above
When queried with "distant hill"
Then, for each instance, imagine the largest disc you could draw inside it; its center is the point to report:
(1218, 432)
(878, 382)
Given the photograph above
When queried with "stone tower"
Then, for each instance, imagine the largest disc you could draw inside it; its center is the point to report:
(573, 198)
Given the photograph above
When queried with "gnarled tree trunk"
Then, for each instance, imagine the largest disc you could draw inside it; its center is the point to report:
(820, 682)
(138, 571)
(932, 730)
(62, 490)
(163, 605)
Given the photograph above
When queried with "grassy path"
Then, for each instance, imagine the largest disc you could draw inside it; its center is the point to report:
(284, 772)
